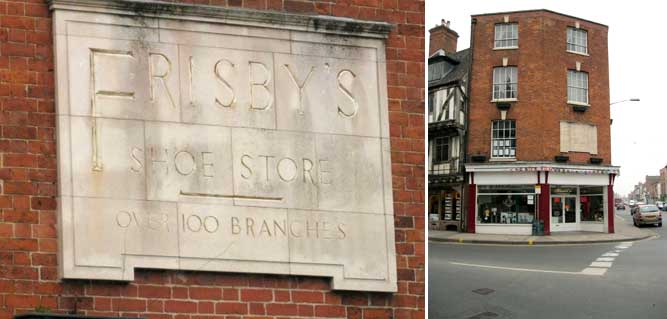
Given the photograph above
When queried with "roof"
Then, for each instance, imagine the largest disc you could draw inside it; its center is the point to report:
(538, 10)
(460, 69)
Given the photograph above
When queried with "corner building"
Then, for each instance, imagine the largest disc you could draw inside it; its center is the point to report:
(539, 146)
(191, 74)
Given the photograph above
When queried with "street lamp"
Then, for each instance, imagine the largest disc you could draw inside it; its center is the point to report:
(628, 100)
(634, 99)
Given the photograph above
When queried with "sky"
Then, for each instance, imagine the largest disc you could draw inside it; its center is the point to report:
(637, 49)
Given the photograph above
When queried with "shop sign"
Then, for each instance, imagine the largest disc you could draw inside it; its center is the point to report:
(222, 140)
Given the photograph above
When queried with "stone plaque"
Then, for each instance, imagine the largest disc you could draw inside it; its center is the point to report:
(216, 139)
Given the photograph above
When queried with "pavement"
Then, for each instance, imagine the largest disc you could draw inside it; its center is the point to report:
(582, 280)
(624, 231)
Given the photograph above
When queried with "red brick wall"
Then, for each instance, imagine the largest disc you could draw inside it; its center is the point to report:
(28, 236)
(542, 63)
(442, 37)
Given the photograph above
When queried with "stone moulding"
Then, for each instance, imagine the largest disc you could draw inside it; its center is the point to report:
(300, 22)
(228, 140)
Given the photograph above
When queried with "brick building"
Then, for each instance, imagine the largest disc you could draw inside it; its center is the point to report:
(662, 194)
(652, 184)
(539, 128)
(29, 279)
(447, 104)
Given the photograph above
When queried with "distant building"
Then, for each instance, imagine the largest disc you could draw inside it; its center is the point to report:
(447, 105)
(662, 194)
(652, 184)
(539, 144)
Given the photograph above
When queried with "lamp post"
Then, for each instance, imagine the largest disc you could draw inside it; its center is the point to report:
(634, 99)
(628, 100)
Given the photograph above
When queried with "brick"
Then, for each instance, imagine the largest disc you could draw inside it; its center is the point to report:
(205, 293)
(330, 311)
(128, 305)
(154, 292)
(307, 296)
(256, 295)
(178, 306)
(231, 308)
(282, 309)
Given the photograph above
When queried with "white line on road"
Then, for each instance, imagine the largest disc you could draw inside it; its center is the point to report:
(594, 271)
(610, 255)
(602, 264)
(587, 271)
(605, 259)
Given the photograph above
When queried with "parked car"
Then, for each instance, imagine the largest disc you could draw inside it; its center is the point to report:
(646, 214)
(632, 202)
(661, 206)
(620, 206)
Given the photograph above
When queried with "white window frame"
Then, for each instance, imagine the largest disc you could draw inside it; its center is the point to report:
(503, 144)
(500, 73)
(577, 41)
(577, 87)
(506, 36)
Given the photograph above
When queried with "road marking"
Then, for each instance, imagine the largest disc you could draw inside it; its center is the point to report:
(605, 259)
(589, 272)
(602, 264)
(594, 271)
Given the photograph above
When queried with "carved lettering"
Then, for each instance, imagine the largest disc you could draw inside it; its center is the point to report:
(219, 71)
(324, 172)
(211, 224)
(157, 160)
(287, 169)
(300, 87)
(344, 77)
(151, 220)
(259, 80)
(137, 154)
(96, 92)
(267, 157)
(159, 77)
(236, 226)
(307, 167)
(247, 174)
(206, 164)
(184, 162)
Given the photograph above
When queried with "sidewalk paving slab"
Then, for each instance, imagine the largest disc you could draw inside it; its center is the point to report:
(623, 232)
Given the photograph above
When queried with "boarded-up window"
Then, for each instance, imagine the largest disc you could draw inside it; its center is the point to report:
(578, 137)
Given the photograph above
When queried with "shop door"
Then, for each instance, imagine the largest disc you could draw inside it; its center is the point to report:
(563, 213)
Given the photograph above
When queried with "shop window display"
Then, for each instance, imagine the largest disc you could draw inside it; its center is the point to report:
(591, 204)
(506, 205)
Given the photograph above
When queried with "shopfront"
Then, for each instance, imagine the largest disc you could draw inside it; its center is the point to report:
(510, 198)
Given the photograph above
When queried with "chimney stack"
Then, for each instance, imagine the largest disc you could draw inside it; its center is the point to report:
(442, 37)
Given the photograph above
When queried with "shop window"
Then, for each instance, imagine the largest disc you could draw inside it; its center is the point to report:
(506, 206)
(591, 204)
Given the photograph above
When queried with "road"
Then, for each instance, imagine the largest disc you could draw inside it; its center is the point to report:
(550, 281)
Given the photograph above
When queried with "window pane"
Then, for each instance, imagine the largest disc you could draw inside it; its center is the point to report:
(506, 35)
(503, 142)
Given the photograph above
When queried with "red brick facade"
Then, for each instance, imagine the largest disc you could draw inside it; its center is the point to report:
(28, 236)
(542, 62)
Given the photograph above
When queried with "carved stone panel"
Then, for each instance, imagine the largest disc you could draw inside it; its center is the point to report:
(217, 139)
